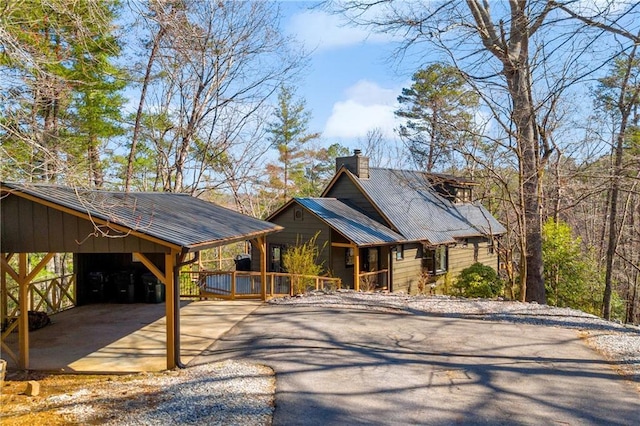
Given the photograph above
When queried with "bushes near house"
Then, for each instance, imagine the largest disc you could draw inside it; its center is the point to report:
(478, 280)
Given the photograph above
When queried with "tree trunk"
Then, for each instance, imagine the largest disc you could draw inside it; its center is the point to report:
(612, 241)
(94, 163)
(143, 95)
(524, 119)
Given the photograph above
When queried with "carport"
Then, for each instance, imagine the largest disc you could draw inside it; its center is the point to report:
(162, 231)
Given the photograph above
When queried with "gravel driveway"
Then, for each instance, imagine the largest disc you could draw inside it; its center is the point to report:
(367, 364)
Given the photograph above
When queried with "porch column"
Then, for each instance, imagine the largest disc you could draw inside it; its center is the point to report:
(170, 308)
(23, 298)
(356, 268)
(24, 278)
(4, 305)
(261, 244)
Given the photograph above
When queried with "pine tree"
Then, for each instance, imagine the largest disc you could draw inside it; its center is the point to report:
(289, 135)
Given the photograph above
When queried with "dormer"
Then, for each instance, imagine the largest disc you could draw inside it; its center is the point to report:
(455, 189)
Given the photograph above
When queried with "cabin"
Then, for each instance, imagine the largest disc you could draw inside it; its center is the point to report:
(397, 230)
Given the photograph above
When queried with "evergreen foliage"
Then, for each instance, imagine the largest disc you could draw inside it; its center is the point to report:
(478, 280)
(438, 113)
(289, 135)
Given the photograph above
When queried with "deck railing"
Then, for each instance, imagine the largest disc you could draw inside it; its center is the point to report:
(248, 285)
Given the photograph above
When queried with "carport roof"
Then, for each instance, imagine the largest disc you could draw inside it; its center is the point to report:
(178, 219)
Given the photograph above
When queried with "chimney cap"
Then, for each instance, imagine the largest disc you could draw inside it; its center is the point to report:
(357, 152)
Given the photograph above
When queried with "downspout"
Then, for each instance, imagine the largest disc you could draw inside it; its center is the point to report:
(176, 303)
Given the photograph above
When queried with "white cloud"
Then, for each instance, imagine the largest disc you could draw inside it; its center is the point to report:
(368, 106)
(320, 30)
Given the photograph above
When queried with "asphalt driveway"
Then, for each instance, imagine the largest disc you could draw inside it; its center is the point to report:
(341, 366)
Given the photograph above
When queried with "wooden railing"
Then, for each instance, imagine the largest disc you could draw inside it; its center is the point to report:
(376, 280)
(248, 285)
(48, 295)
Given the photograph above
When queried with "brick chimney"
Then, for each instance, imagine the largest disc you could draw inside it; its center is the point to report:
(356, 164)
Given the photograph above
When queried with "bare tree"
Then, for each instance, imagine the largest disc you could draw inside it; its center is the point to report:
(218, 63)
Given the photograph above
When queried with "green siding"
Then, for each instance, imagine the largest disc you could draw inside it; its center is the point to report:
(300, 229)
(31, 227)
(461, 257)
(345, 189)
(406, 272)
(339, 267)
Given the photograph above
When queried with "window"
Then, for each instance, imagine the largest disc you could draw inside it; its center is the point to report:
(399, 252)
(435, 260)
(463, 195)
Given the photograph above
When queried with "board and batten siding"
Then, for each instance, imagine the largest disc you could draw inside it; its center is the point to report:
(300, 229)
(31, 227)
(345, 189)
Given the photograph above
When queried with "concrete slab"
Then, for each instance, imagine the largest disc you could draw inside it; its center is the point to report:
(127, 338)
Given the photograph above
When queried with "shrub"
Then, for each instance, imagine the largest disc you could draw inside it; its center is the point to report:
(302, 259)
(478, 280)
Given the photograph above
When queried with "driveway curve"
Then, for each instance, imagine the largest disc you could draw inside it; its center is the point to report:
(337, 366)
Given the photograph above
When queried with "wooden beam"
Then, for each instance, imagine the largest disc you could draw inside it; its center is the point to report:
(170, 307)
(153, 268)
(345, 245)
(8, 269)
(23, 327)
(39, 266)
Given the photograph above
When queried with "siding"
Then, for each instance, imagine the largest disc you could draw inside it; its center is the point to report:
(461, 257)
(406, 272)
(35, 228)
(301, 229)
(345, 189)
(339, 267)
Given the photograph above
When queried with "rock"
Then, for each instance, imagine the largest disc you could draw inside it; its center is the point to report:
(33, 388)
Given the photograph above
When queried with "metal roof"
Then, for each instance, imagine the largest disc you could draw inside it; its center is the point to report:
(179, 219)
(407, 199)
(352, 224)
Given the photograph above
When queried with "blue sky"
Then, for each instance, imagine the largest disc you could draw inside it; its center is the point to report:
(351, 85)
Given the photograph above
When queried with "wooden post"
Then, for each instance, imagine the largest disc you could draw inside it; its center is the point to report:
(233, 285)
(4, 303)
(356, 268)
(271, 285)
(261, 243)
(23, 327)
(170, 307)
